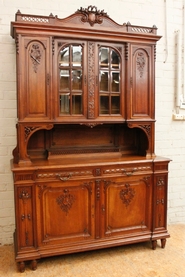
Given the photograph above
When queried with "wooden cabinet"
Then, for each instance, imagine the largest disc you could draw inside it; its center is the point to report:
(85, 171)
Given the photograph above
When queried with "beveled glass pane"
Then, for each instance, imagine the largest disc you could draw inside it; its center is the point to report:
(115, 104)
(77, 55)
(65, 103)
(115, 81)
(104, 104)
(104, 85)
(77, 80)
(64, 79)
(64, 57)
(104, 57)
(115, 60)
(76, 104)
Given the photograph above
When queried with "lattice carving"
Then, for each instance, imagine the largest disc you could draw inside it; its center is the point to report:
(127, 194)
(147, 129)
(35, 54)
(28, 130)
(92, 15)
(140, 61)
(35, 19)
(65, 201)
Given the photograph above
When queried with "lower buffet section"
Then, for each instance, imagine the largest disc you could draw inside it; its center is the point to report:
(90, 205)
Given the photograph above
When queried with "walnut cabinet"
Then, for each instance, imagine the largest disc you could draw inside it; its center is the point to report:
(85, 171)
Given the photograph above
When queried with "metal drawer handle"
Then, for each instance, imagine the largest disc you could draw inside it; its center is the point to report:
(130, 173)
(64, 179)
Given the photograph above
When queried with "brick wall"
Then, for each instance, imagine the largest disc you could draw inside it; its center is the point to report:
(170, 135)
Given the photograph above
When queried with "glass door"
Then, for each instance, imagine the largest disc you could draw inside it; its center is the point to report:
(70, 80)
(110, 81)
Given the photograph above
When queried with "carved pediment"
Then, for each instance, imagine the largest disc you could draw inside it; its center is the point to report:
(92, 15)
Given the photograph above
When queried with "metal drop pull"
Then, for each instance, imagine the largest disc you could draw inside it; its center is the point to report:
(64, 179)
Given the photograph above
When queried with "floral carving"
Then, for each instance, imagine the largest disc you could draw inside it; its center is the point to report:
(127, 194)
(140, 61)
(92, 15)
(65, 201)
(35, 55)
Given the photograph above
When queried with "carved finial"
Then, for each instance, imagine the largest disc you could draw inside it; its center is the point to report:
(92, 15)
(18, 12)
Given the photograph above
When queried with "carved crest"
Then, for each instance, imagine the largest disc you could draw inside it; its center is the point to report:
(127, 194)
(65, 201)
(92, 15)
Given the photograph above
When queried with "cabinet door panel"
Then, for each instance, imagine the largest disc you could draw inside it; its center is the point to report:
(160, 202)
(140, 104)
(127, 205)
(65, 212)
(34, 79)
(24, 216)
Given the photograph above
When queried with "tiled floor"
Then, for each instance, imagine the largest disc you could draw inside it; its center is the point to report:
(136, 260)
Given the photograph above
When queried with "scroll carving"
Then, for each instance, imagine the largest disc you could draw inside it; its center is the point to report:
(147, 129)
(35, 54)
(65, 201)
(28, 130)
(92, 15)
(127, 194)
(140, 61)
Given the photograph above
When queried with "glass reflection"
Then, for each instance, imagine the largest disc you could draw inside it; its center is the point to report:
(115, 60)
(64, 57)
(115, 81)
(64, 79)
(104, 77)
(104, 104)
(77, 55)
(64, 103)
(104, 57)
(115, 104)
(77, 80)
(77, 104)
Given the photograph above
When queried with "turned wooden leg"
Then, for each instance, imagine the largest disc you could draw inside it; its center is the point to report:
(22, 267)
(34, 265)
(163, 243)
(154, 244)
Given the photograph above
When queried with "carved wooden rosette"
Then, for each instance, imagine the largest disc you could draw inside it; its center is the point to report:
(65, 201)
(127, 194)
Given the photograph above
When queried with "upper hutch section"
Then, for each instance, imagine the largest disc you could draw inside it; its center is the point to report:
(84, 69)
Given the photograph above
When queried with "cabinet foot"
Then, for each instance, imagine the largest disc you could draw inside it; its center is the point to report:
(22, 267)
(154, 244)
(34, 265)
(163, 243)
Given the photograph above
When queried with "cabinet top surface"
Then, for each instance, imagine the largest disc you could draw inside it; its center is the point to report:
(68, 161)
(85, 21)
